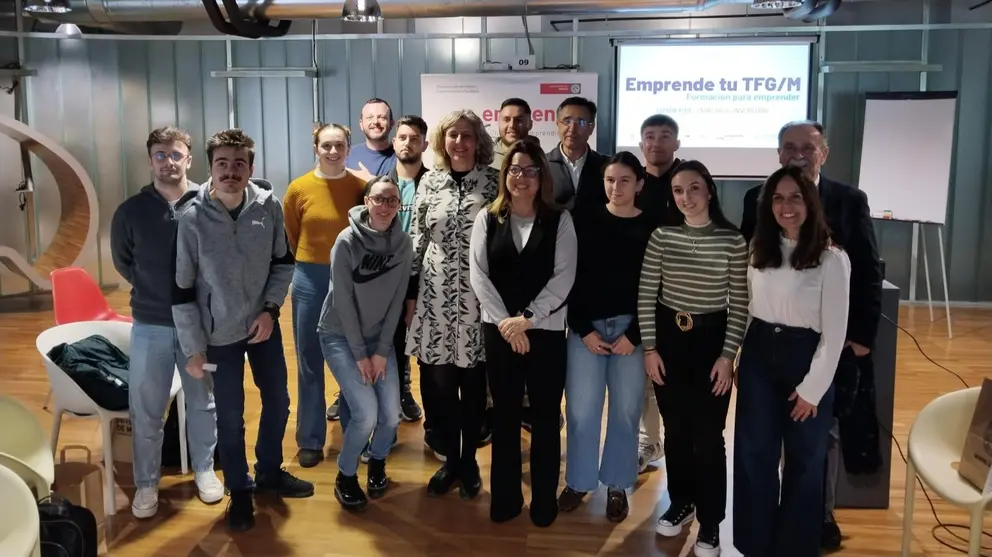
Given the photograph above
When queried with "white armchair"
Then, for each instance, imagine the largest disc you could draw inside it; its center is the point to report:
(25, 447)
(936, 441)
(67, 396)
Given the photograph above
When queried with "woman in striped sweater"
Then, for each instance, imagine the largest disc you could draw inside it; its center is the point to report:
(692, 311)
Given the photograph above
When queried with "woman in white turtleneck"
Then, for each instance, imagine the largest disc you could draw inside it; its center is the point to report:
(315, 210)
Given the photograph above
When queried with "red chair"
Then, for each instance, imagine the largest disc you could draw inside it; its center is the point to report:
(77, 297)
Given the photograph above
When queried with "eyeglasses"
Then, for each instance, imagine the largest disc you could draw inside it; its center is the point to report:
(580, 122)
(528, 171)
(378, 201)
(176, 156)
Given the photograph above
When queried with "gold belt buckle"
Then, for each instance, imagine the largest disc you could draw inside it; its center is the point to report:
(684, 321)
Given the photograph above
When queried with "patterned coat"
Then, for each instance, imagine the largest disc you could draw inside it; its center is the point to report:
(447, 322)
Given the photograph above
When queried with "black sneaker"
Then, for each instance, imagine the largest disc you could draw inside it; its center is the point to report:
(471, 482)
(334, 410)
(241, 511)
(349, 493)
(283, 484)
(707, 541)
(442, 481)
(830, 536)
(310, 457)
(378, 481)
(433, 444)
(409, 409)
(670, 524)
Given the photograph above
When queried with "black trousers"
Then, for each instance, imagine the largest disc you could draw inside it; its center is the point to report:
(399, 348)
(542, 372)
(458, 406)
(694, 418)
(774, 361)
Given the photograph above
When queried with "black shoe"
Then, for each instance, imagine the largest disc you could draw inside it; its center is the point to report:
(241, 511)
(283, 484)
(707, 541)
(334, 410)
(442, 481)
(830, 536)
(570, 499)
(409, 409)
(670, 524)
(349, 493)
(378, 482)
(310, 457)
(617, 506)
(471, 482)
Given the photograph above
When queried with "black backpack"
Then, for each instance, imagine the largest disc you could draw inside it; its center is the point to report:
(67, 530)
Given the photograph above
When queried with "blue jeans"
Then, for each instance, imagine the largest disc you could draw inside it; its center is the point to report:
(268, 369)
(589, 378)
(309, 289)
(155, 355)
(774, 360)
(371, 407)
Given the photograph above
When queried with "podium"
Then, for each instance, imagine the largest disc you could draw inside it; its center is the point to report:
(871, 491)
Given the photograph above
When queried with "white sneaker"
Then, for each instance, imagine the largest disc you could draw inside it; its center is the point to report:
(145, 504)
(648, 454)
(210, 487)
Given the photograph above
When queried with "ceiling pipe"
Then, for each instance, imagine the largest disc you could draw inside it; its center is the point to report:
(88, 12)
(825, 9)
(802, 11)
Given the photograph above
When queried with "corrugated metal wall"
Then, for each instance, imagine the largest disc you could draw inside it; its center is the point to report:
(101, 98)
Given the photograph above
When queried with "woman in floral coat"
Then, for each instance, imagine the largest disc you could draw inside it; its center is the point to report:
(445, 333)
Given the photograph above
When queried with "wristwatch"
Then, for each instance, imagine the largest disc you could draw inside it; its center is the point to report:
(528, 314)
(272, 310)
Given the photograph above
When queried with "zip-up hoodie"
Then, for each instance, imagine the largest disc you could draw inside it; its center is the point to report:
(369, 275)
(226, 269)
(141, 235)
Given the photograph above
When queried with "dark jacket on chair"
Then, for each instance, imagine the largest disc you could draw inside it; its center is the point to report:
(851, 228)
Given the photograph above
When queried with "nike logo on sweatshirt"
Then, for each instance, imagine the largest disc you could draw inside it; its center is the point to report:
(371, 268)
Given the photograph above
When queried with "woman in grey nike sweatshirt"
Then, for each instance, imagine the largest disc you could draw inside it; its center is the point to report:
(370, 269)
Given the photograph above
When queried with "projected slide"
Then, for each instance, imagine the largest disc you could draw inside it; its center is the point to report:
(729, 98)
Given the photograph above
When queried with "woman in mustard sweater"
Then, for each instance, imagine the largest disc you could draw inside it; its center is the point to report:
(315, 212)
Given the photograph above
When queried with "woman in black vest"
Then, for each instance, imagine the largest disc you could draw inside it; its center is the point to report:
(522, 266)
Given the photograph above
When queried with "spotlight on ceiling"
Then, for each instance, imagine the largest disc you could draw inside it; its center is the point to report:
(364, 11)
(47, 6)
(775, 4)
(69, 31)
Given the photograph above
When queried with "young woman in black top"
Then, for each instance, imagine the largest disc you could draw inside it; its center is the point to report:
(604, 352)
(522, 268)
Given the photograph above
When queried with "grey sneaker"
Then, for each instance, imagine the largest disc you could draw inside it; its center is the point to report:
(648, 454)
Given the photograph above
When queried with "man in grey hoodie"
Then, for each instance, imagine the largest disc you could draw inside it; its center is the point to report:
(233, 270)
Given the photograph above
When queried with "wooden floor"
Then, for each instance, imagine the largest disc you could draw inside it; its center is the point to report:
(406, 522)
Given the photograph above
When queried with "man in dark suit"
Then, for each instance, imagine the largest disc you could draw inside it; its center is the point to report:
(804, 144)
(576, 169)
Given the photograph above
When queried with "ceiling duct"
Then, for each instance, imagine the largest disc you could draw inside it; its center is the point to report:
(105, 12)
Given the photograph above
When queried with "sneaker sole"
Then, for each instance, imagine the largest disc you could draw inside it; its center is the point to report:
(672, 531)
(706, 551)
(210, 500)
(144, 513)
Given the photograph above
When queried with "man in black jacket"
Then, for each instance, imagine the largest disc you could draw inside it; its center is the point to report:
(576, 169)
(804, 144)
(141, 235)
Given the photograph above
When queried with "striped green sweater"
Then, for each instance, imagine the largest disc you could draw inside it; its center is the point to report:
(698, 270)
